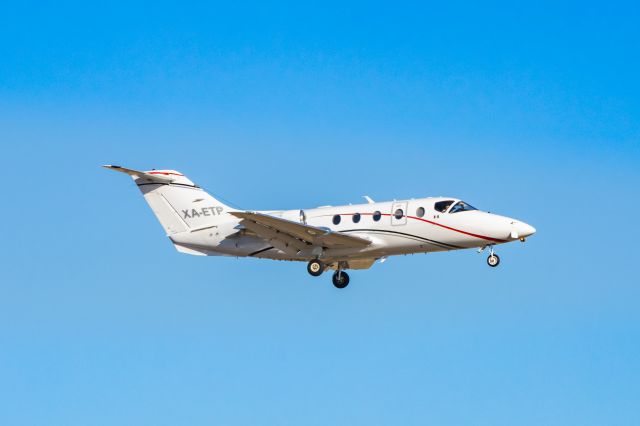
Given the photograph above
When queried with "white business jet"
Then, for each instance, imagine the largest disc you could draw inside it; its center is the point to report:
(336, 238)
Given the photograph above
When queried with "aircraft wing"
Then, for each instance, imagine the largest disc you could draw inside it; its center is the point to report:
(270, 226)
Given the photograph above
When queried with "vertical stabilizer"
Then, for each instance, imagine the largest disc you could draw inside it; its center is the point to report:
(178, 203)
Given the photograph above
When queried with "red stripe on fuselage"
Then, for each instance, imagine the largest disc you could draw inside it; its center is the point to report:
(482, 237)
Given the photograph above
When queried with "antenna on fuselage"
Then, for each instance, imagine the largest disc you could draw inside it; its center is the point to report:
(369, 200)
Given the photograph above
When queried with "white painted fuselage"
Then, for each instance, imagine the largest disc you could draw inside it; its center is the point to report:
(338, 237)
(389, 232)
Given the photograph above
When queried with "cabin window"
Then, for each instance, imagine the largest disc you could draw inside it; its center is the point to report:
(442, 206)
(461, 206)
(356, 217)
(399, 214)
(420, 212)
(336, 219)
(376, 216)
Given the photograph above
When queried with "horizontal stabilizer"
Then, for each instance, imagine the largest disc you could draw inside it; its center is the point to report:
(156, 176)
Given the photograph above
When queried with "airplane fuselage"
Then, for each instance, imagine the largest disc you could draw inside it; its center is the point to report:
(393, 227)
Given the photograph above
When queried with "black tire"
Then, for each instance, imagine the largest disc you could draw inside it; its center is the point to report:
(493, 260)
(315, 268)
(340, 280)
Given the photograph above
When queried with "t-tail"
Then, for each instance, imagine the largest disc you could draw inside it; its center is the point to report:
(179, 204)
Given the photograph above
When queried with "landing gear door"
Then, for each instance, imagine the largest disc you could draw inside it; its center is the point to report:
(399, 213)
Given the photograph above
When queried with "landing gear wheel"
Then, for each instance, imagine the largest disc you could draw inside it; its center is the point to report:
(315, 268)
(493, 260)
(340, 279)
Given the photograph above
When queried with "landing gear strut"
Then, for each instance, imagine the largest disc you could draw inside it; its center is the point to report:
(340, 279)
(493, 260)
(315, 268)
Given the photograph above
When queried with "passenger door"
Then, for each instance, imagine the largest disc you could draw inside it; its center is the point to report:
(399, 213)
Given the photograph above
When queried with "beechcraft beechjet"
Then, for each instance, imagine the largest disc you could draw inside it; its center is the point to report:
(328, 238)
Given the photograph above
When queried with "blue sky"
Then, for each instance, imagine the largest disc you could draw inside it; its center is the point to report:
(532, 111)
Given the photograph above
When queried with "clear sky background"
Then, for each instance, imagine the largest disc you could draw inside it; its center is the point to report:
(532, 111)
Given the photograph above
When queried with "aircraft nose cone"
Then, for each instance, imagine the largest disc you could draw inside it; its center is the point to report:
(525, 230)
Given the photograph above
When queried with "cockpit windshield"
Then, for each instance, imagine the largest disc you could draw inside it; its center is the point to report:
(461, 206)
(442, 206)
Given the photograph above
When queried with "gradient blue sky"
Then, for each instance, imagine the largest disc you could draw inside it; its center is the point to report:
(532, 111)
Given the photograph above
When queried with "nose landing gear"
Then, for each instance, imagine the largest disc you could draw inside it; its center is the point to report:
(493, 260)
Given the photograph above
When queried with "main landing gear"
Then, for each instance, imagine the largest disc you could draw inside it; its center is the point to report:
(315, 268)
(340, 278)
